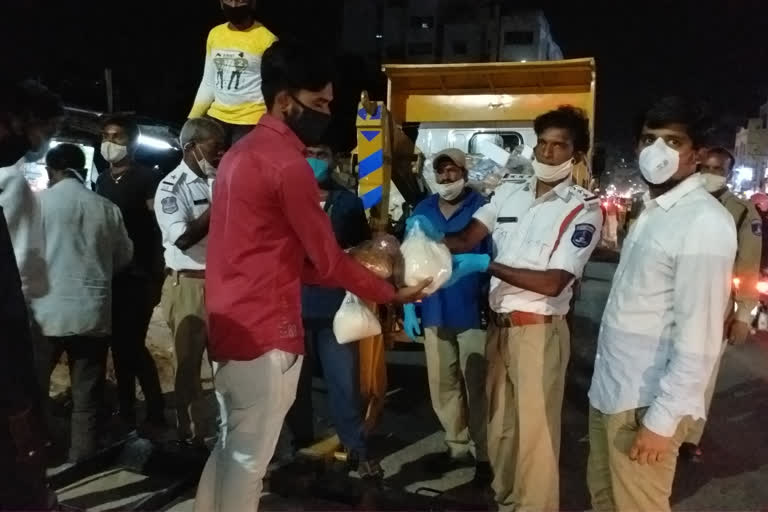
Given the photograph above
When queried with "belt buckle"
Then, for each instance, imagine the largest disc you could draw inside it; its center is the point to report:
(176, 275)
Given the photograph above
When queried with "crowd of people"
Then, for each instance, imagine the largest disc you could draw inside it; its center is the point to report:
(243, 248)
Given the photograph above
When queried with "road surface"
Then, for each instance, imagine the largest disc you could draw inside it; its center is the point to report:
(733, 476)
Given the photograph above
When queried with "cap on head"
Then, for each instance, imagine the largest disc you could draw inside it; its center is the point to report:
(457, 156)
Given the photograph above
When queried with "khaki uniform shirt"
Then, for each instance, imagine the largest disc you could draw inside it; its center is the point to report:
(746, 270)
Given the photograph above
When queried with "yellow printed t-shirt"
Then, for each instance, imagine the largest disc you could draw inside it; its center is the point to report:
(231, 86)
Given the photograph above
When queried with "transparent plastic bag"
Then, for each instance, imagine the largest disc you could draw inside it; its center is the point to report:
(354, 320)
(424, 258)
(377, 255)
(387, 243)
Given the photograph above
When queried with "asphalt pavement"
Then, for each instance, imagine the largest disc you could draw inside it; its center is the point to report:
(732, 476)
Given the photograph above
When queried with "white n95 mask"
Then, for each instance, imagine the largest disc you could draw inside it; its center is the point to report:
(658, 162)
(112, 152)
(713, 182)
(551, 173)
(450, 191)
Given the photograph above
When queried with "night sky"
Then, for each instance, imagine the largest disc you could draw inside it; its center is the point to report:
(717, 51)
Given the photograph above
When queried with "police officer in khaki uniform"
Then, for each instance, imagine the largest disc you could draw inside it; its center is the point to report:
(544, 230)
(182, 207)
(716, 170)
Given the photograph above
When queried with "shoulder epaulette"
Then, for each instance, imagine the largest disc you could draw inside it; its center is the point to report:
(515, 178)
(585, 195)
(170, 182)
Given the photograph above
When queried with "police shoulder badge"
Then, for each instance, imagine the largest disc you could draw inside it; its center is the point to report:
(582, 235)
(757, 227)
(169, 205)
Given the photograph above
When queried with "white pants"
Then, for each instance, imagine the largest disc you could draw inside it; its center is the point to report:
(254, 397)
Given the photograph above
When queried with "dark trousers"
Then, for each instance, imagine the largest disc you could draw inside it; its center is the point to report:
(341, 371)
(87, 358)
(233, 132)
(133, 301)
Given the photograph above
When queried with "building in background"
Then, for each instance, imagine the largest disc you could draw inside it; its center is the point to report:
(432, 31)
(751, 152)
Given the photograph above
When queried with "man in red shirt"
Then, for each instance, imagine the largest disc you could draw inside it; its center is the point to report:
(268, 235)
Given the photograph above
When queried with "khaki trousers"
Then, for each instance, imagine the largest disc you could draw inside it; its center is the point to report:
(618, 483)
(254, 397)
(184, 308)
(696, 430)
(526, 381)
(457, 371)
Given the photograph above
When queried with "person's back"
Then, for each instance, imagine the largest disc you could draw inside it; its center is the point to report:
(86, 244)
(22, 215)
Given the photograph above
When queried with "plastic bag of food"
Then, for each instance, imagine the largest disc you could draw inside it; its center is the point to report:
(354, 320)
(387, 243)
(424, 258)
(374, 258)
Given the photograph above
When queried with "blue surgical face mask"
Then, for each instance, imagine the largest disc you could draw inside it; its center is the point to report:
(320, 168)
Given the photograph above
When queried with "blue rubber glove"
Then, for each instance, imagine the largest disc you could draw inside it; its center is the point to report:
(426, 226)
(466, 264)
(411, 322)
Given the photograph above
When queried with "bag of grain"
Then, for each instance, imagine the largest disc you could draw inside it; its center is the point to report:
(424, 258)
(354, 320)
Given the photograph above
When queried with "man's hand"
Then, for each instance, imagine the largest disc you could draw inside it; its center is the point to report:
(649, 447)
(411, 322)
(426, 226)
(466, 264)
(739, 332)
(410, 294)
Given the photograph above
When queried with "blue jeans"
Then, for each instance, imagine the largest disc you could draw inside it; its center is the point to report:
(341, 371)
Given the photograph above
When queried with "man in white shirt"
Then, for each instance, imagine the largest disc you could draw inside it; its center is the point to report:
(544, 230)
(29, 133)
(86, 243)
(183, 209)
(662, 328)
(28, 116)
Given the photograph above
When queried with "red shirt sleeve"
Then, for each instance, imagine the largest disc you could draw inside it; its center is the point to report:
(330, 266)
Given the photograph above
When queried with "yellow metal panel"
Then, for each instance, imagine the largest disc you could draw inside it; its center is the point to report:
(370, 182)
(488, 107)
(495, 77)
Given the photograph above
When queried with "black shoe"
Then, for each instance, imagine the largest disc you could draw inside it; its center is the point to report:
(483, 475)
(691, 452)
(443, 462)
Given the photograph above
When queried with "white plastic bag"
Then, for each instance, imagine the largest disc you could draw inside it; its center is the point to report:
(424, 258)
(354, 320)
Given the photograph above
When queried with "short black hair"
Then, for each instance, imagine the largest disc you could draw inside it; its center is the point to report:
(66, 156)
(127, 123)
(721, 151)
(290, 66)
(566, 117)
(29, 98)
(694, 115)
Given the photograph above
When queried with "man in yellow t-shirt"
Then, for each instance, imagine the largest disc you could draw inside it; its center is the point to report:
(230, 91)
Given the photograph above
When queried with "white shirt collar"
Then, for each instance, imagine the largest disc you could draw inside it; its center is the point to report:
(561, 189)
(189, 174)
(668, 199)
